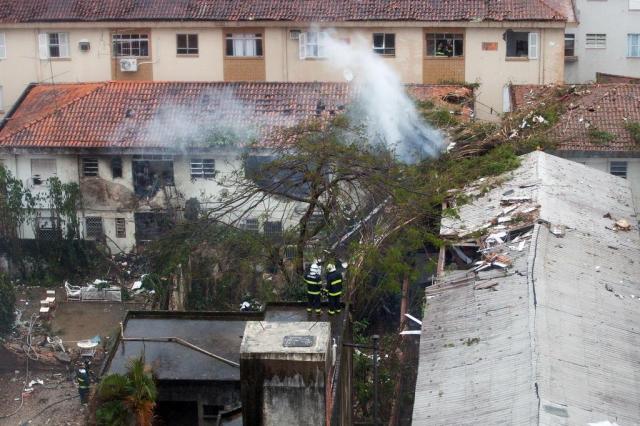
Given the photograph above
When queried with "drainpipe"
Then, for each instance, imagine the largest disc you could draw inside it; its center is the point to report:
(541, 57)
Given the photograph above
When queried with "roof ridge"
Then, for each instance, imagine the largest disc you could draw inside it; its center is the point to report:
(100, 85)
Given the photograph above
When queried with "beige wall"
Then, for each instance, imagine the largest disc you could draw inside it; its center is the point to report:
(492, 70)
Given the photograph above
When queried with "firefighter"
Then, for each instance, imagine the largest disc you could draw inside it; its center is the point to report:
(334, 287)
(82, 377)
(313, 279)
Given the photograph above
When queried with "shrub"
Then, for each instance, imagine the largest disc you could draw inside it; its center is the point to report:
(7, 305)
(634, 129)
(600, 137)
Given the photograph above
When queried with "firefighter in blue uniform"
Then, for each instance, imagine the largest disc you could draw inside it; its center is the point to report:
(313, 279)
(334, 288)
(82, 377)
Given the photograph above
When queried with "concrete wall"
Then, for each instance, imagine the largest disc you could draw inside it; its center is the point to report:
(493, 70)
(603, 164)
(281, 57)
(613, 18)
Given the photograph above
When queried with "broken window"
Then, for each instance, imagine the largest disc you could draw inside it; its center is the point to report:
(150, 173)
(150, 226)
(203, 168)
(116, 167)
(441, 44)
(618, 168)
(312, 44)
(121, 228)
(273, 230)
(569, 45)
(89, 167)
(130, 45)
(384, 43)
(244, 44)
(42, 169)
(596, 41)
(187, 44)
(93, 227)
(521, 44)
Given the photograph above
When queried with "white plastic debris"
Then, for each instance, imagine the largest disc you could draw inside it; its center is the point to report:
(504, 219)
(136, 285)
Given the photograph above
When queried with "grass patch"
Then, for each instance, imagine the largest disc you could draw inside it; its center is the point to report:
(633, 127)
(440, 117)
(600, 137)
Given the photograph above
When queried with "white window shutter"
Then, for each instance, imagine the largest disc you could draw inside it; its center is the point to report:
(3, 47)
(302, 44)
(43, 41)
(64, 44)
(533, 45)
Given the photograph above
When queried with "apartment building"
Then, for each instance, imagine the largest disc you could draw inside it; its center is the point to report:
(607, 40)
(140, 150)
(491, 43)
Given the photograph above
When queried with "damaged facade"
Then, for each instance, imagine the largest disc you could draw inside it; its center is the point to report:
(491, 43)
(141, 151)
(535, 319)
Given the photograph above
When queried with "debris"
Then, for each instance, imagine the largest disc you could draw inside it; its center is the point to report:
(623, 225)
(607, 216)
(35, 382)
(521, 246)
(504, 219)
(557, 230)
(608, 287)
(488, 285)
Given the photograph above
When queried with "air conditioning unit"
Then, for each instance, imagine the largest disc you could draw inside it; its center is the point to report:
(294, 34)
(129, 64)
(84, 45)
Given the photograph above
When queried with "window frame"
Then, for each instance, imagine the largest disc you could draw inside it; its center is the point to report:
(568, 37)
(598, 41)
(188, 49)
(314, 49)
(532, 46)
(384, 50)
(94, 168)
(273, 229)
(202, 168)
(244, 37)
(46, 45)
(433, 40)
(616, 168)
(89, 232)
(120, 225)
(119, 39)
(630, 45)
(3, 49)
(116, 165)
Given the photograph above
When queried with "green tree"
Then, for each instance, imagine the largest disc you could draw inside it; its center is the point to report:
(7, 305)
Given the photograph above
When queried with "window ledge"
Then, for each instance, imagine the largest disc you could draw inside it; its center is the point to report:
(57, 59)
(516, 59)
(243, 58)
(187, 55)
(633, 57)
(443, 58)
(570, 58)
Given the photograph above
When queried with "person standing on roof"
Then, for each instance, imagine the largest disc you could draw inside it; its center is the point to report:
(313, 278)
(334, 287)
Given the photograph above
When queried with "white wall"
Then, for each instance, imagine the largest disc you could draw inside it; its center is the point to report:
(616, 20)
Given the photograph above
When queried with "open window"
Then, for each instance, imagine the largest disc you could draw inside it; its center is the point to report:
(116, 167)
(150, 173)
(521, 44)
(445, 44)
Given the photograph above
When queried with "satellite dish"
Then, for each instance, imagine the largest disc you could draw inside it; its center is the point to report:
(347, 74)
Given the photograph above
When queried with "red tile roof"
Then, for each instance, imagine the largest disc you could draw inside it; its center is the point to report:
(605, 107)
(284, 10)
(168, 114)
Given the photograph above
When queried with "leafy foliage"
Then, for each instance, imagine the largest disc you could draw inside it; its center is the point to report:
(633, 127)
(7, 305)
(600, 137)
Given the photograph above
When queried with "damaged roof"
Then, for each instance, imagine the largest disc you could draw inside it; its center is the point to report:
(554, 337)
(603, 107)
(174, 115)
(25, 11)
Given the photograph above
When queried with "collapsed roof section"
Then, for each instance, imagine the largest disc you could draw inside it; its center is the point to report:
(24, 11)
(595, 118)
(542, 329)
(175, 115)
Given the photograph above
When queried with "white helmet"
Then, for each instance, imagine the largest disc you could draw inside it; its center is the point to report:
(315, 269)
(331, 267)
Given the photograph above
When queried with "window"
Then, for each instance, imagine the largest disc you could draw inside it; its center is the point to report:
(618, 168)
(203, 168)
(1, 99)
(42, 169)
(130, 45)
(384, 44)
(251, 225)
(244, 44)
(121, 228)
(187, 44)
(89, 167)
(634, 4)
(3, 49)
(440, 44)
(48, 229)
(273, 230)
(569, 45)
(116, 167)
(54, 45)
(312, 44)
(522, 44)
(634, 45)
(93, 227)
(596, 41)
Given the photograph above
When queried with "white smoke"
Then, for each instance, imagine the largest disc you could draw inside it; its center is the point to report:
(388, 113)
